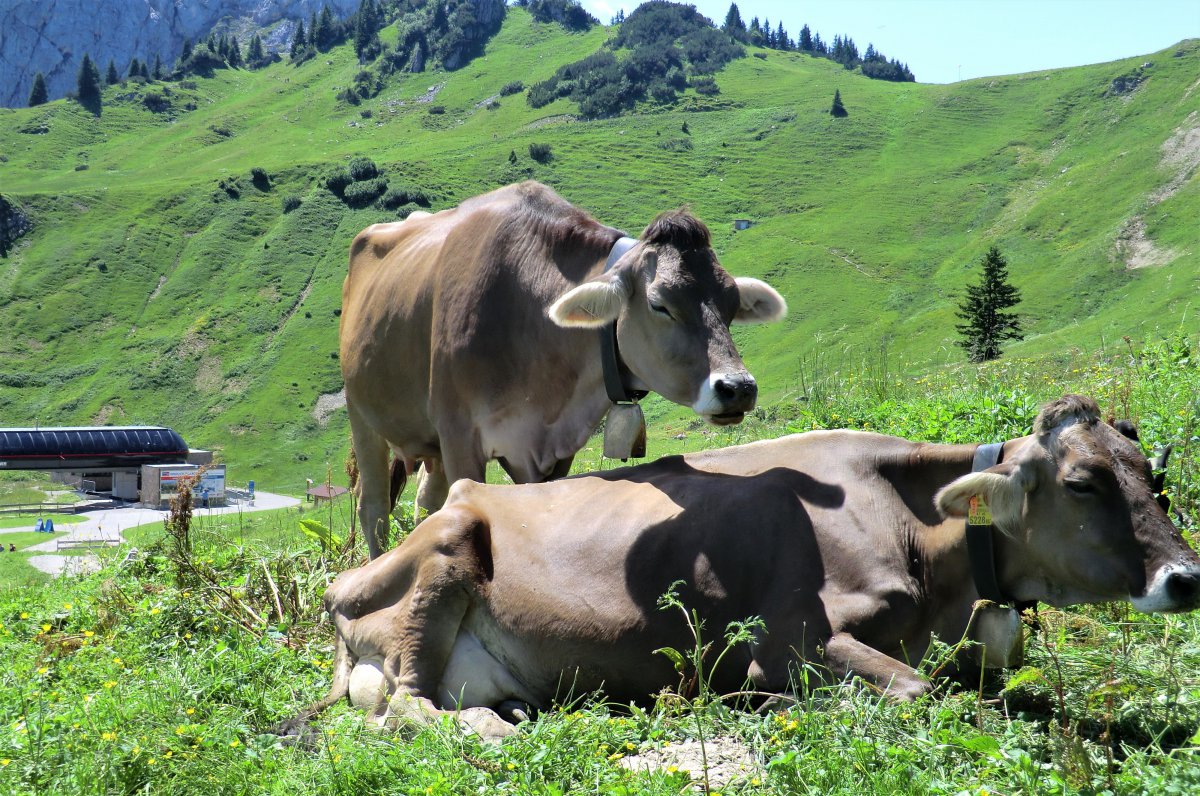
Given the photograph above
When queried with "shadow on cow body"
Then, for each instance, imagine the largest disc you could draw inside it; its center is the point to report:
(848, 545)
(471, 334)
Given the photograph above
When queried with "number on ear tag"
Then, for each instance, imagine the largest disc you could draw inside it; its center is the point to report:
(978, 512)
(625, 432)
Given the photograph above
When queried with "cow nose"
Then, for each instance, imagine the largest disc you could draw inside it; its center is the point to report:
(1183, 587)
(739, 389)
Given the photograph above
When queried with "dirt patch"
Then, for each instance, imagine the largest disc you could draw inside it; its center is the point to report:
(1137, 250)
(162, 280)
(208, 375)
(1181, 158)
(430, 93)
(549, 120)
(729, 762)
(327, 404)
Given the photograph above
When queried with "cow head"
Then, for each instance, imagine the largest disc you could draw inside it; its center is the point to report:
(1078, 517)
(673, 304)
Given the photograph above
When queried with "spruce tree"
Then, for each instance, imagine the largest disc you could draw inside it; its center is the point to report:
(805, 44)
(254, 54)
(135, 68)
(987, 325)
(187, 50)
(838, 109)
(734, 25)
(235, 53)
(38, 94)
(87, 85)
(157, 74)
(111, 78)
(298, 41)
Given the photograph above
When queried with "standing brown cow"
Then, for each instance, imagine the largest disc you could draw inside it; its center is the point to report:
(454, 351)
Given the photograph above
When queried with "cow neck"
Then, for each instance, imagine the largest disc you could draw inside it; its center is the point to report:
(981, 551)
(981, 544)
(616, 374)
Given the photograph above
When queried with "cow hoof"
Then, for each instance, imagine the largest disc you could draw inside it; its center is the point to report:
(485, 723)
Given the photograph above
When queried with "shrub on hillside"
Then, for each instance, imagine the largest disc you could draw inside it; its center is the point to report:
(706, 85)
(437, 110)
(568, 13)
(512, 87)
(403, 195)
(349, 96)
(260, 178)
(156, 102)
(541, 153)
(361, 194)
(291, 202)
(361, 168)
(338, 181)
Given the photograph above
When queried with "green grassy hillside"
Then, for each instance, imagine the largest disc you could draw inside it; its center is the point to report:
(163, 285)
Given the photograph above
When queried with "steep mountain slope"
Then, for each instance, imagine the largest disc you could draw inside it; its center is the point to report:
(52, 36)
(163, 283)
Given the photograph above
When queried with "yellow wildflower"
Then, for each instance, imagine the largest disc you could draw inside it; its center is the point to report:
(43, 669)
(118, 661)
(168, 754)
(5, 761)
(24, 614)
(88, 633)
(235, 743)
(45, 628)
(110, 683)
(66, 606)
(108, 736)
(190, 711)
(511, 766)
(155, 611)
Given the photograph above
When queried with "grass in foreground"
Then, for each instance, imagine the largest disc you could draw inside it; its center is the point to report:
(149, 679)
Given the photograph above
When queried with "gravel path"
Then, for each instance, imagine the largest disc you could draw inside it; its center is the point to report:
(106, 526)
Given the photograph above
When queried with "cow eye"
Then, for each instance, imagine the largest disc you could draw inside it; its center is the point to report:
(661, 310)
(1080, 487)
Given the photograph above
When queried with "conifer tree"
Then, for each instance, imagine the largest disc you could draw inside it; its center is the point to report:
(987, 324)
(111, 78)
(838, 109)
(38, 95)
(298, 41)
(87, 85)
(254, 54)
(135, 68)
(157, 74)
(805, 44)
(187, 50)
(782, 41)
(235, 53)
(146, 70)
(734, 25)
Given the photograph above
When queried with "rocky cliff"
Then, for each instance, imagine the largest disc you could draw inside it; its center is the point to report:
(51, 36)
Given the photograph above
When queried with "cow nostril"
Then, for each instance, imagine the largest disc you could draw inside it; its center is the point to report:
(724, 389)
(1184, 586)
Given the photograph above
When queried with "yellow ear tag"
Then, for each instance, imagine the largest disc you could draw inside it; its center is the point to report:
(978, 513)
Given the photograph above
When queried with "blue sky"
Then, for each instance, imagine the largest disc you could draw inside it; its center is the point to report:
(947, 40)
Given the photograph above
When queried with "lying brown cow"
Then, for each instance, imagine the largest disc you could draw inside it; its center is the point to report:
(453, 351)
(849, 545)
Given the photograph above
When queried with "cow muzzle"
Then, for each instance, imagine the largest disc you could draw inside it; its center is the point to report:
(1174, 589)
(725, 398)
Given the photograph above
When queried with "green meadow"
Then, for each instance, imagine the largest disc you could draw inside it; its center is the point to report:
(163, 283)
(149, 293)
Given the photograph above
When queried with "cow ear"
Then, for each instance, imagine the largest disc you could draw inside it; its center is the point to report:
(591, 305)
(760, 303)
(1002, 487)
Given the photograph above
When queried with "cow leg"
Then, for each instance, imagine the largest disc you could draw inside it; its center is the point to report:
(431, 489)
(374, 482)
(844, 655)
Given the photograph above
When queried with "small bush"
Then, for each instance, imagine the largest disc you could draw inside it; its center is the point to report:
(437, 110)
(259, 177)
(512, 87)
(81, 167)
(361, 194)
(541, 153)
(366, 113)
(706, 86)
(291, 202)
(493, 105)
(338, 181)
(403, 195)
(762, 56)
(363, 169)
(676, 145)
(229, 186)
(349, 96)
(156, 102)
(187, 84)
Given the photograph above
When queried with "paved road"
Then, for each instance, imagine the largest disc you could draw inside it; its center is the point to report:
(107, 524)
